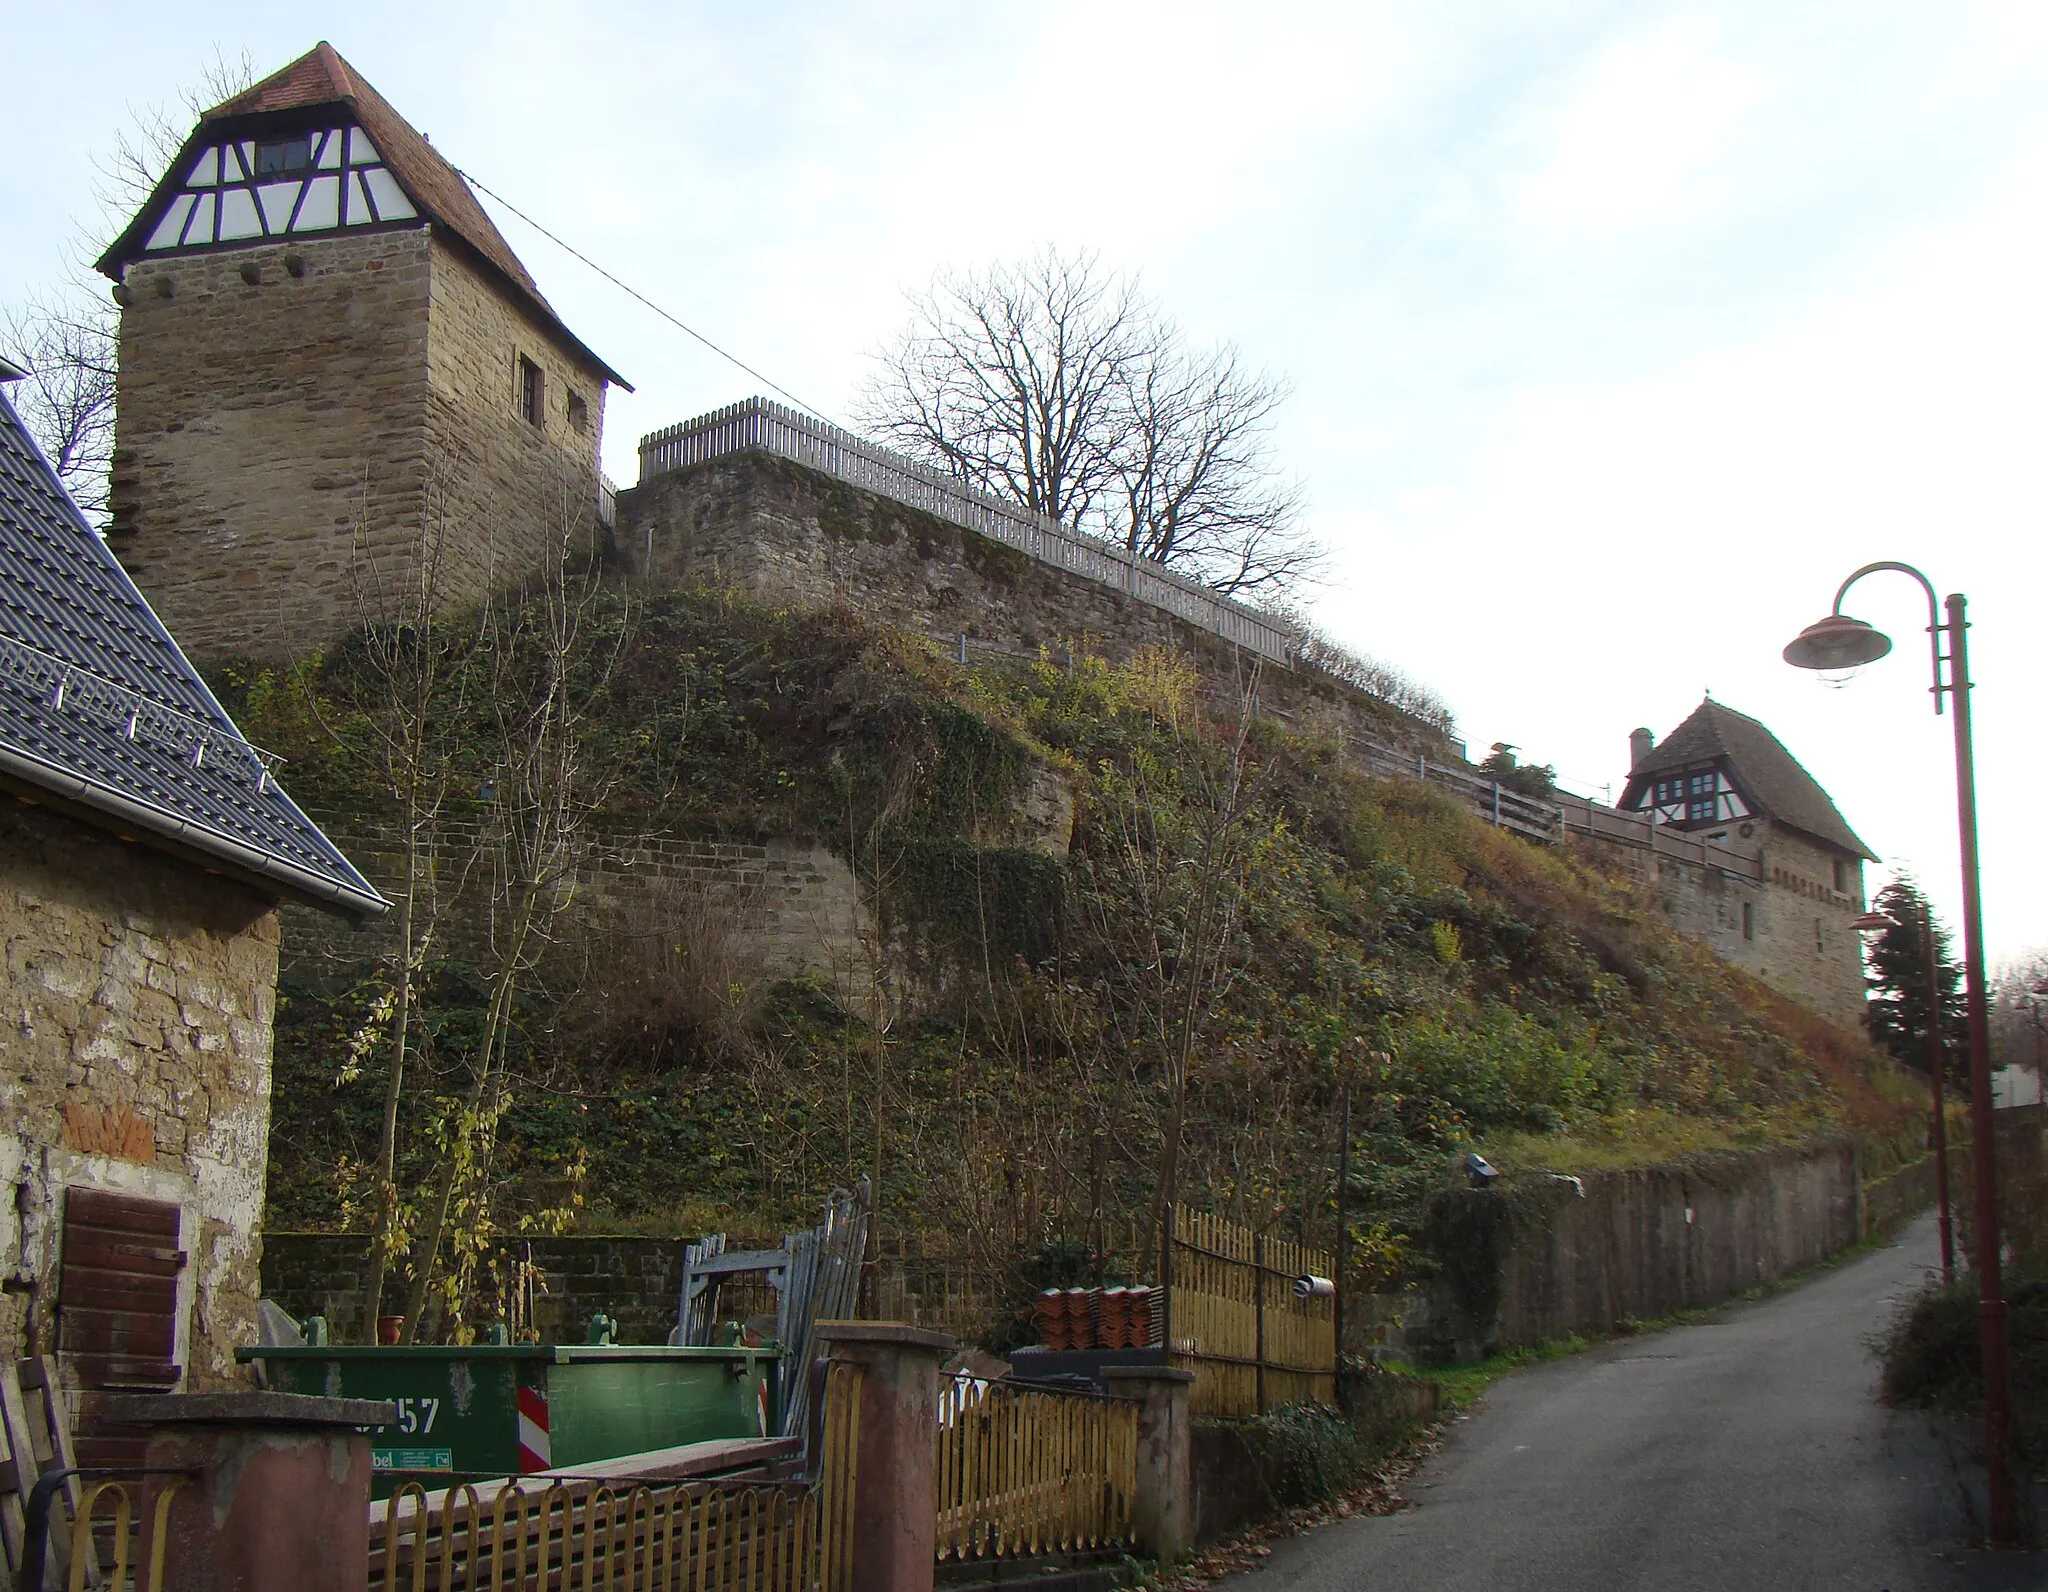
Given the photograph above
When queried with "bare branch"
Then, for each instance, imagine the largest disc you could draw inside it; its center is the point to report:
(1065, 390)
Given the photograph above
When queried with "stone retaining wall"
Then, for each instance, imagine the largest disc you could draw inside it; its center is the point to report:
(1540, 1260)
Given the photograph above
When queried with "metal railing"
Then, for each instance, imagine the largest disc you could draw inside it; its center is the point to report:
(81, 694)
(1027, 1471)
(105, 1542)
(620, 1535)
(756, 423)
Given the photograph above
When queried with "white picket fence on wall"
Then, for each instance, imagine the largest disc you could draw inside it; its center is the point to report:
(792, 435)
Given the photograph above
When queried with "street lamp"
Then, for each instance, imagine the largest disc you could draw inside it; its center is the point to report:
(1877, 923)
(1841, 642)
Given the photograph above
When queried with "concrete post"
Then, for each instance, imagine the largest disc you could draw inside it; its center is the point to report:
(896, 1487)
(280, 1498)
(1164, 1510)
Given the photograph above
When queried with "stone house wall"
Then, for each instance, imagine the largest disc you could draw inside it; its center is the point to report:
(140, 993)
(272, 436)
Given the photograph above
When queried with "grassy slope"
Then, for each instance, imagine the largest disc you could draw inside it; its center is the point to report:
(1477, 989)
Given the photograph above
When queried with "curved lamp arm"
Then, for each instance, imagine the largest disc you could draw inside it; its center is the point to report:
(1934, 624)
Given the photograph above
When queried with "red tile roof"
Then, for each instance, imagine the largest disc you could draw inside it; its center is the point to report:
(322, 77)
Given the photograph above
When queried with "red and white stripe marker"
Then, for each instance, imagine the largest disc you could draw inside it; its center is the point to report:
(533, 1431)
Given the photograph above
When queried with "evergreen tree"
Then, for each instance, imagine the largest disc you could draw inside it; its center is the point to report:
(1900, 1003)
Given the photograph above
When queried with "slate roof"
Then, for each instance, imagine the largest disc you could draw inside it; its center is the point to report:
(1768, 774)
(100, 709)
(321, 78)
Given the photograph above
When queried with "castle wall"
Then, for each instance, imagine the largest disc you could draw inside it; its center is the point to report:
(1795, 935)
(260, 427)
(794, 537)
(513, 486)
(140, 996)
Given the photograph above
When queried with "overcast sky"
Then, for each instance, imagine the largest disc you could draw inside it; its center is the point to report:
(1618, 332)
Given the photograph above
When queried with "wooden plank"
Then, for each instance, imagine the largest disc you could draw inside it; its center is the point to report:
(88, 1288)
(16, 1477)
(135, 1253)
(49, 1414)
(123, 1213)
(115, 1332)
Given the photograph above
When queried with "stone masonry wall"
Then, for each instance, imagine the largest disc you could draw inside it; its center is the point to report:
(140, 996)
(283, 446)
(257, 427)
(1791, 931)
(787, 909)
(797, 538)
(529, 484)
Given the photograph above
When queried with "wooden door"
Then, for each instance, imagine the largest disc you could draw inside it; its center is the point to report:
(117, 1311)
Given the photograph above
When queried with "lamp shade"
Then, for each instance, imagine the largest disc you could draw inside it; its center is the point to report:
(1837, 642)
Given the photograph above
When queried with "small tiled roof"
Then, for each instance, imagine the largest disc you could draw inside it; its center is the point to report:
(100, 709)
(1768, 774)
(321, 77)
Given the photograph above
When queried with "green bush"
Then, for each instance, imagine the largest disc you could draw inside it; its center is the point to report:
(1305, 1453)
(1930, 1356)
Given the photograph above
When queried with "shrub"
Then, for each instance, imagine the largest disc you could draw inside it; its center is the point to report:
(1305, 1453)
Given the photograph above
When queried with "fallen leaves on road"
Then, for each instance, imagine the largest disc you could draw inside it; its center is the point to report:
(1378, 1492)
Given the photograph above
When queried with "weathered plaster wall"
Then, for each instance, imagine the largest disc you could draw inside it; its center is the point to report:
(137, 1043)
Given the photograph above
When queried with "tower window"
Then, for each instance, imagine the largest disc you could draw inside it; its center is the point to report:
(1748, 921)
(532, 393)
(1818, 943)
(1841, 874)
(281, 156)
(579, 411)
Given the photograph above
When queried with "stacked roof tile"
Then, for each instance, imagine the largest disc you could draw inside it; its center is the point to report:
(99, 708)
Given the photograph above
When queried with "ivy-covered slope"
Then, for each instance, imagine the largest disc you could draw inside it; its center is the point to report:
(1238, 926)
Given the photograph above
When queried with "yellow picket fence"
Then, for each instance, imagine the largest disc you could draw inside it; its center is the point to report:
(1235, 1321)
(1023, 1471)
(540, 1534)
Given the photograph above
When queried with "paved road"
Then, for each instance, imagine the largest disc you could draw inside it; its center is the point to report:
(1747, 1451)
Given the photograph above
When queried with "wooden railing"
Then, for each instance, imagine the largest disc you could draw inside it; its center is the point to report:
(1028, 1471)
(613, 1534)
(756, 423)
(1584, 817)
(1233, 1318)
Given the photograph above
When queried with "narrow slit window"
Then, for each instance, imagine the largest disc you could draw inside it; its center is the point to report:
(579, 411)
(1748, 921)
(532, 393)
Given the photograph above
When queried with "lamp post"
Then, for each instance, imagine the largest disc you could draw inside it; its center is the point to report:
(1877, 922)
(1841, 642)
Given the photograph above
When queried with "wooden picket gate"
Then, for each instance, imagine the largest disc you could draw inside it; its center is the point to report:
(541, 1533)
(1028, 1471)
(1234, 1319)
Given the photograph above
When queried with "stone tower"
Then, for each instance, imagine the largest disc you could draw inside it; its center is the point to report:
(1724, 776)
(328, 354)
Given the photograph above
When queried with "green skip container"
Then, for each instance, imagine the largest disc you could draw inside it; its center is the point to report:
(471, 1413)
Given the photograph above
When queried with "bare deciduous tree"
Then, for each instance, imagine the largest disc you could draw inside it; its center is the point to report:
(1065, 389)
(66, 344)
(65, 336)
